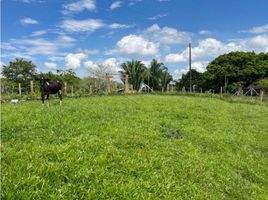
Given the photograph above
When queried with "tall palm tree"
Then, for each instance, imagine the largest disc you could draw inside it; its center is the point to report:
(165, 79)
(135, 70)
(156, 70)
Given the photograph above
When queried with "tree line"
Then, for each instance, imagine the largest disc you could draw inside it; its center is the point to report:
(229, 71)
(156, 75)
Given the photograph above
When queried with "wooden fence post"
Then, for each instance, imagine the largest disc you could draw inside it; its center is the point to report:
(221, 92)
(20, 89)
(108, 87)
(261, 95)
(31, 88)
(65, 88)
(90, 89)
(72, 90)
(126, 83)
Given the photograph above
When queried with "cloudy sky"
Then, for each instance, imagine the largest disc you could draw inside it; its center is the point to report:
(78, 34)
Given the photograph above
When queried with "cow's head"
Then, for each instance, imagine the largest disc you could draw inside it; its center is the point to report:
(43, 81)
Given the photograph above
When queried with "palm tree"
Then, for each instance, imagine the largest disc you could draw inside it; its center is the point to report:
(156, 70)
(135, 70)
(165, 79)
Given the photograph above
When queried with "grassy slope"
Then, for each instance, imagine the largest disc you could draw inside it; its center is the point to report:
(112, 148)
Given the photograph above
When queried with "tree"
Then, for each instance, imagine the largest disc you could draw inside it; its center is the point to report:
(68, 76)
(99, 71)
(242, 67)
(263, 83)
(166, 78)
(136, 71)
(197, 80)
(155, 74)
(19, 70)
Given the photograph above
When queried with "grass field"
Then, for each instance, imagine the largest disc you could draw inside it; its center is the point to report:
(162, 147)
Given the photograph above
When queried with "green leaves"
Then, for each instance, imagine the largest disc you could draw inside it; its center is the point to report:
(135, 70)
(156, 76)
(19, 70)
(246, 67)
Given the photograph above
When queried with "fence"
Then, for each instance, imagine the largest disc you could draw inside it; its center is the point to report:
(112, 84)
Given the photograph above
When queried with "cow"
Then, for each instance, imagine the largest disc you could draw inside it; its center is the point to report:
(47, 88)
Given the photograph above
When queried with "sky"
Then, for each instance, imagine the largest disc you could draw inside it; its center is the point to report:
(80, 34)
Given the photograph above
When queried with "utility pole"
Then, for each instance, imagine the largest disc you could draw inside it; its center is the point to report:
(190, 65)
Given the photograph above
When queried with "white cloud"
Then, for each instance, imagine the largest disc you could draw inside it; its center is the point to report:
(175, 58)
(7, 46)
(259, 43)
(89, 51)
(156, 17)
(31, 1)
(2, 64)
(209, 47)
(73, 61)
(120, 26)
(87, 25)
(204, 32)
(134, 2)
(259, 29)
(109, 65)
(116, 4)
(39, 33)
(56, 58)
(79, 6)
(90, 65)
(200, 66)
(40, 46)
(112, 63)
(178, 73)
(167, 35)
(136, 45)
(90, 25)
(1, 67)
(50, 65)
(28, 20)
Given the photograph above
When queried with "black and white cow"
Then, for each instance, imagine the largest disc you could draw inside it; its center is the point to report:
(47, 88)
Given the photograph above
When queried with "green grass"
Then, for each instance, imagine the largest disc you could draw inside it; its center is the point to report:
(162, 147)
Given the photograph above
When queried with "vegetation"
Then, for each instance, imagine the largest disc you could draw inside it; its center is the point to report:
(19, 70)
(197, 81)
(161, 147)
(231, 71)
(156, 76)
(263, 83)
(135, 70)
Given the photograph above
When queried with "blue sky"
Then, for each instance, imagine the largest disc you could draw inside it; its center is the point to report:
(80, 34)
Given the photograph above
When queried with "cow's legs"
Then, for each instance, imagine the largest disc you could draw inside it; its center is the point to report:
(43, 99)
(60, 96)
(48, 99)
